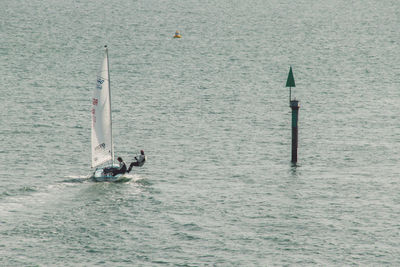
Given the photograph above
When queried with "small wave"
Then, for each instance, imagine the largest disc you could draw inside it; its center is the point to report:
(27, 189)
(75, 180)
(20, 191)
(5, 194)
(123, 180)
(143, 182)
(186, 236)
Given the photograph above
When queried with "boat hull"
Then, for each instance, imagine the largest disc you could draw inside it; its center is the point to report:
(100, 176)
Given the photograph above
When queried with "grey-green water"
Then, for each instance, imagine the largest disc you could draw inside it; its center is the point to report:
(211, 111)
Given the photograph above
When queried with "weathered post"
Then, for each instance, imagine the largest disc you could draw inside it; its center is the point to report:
(294, 105)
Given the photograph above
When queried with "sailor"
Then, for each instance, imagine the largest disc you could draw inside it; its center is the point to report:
(139, 161)
(121, 169)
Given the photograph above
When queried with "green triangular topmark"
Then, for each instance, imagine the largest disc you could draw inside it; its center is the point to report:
(290, 79)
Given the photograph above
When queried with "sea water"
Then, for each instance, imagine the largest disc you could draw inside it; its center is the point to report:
(211, 112)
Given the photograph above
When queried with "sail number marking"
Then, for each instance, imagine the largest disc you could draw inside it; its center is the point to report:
(99, 83)
(95, 102)
(101, 146)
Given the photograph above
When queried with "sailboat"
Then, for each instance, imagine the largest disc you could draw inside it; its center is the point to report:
(102, 137)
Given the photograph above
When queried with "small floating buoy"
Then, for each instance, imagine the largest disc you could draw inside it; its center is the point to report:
(177, 35)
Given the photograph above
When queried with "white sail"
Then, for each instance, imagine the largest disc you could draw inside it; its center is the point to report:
(102, 143)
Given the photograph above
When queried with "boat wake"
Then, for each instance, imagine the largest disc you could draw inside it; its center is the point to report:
(76, 179)
(137, 179)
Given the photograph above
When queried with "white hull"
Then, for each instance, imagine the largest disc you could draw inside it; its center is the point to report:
(100, 176)
(116, 178)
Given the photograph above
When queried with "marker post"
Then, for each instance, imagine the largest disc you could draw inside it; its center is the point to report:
(294, 105)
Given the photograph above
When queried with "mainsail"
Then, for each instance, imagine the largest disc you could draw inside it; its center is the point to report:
(102, 143)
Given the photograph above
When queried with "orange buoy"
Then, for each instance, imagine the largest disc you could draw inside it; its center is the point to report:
(177, 35)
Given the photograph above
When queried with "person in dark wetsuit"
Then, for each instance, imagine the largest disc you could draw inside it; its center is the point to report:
(122, 167)
(120, 170)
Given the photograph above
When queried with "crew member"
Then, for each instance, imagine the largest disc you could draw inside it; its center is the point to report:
(114, 171)
(139, 161)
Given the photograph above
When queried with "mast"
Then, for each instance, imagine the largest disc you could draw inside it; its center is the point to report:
(109, 92)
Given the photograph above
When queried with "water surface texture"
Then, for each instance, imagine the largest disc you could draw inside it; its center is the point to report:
(211, 112)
